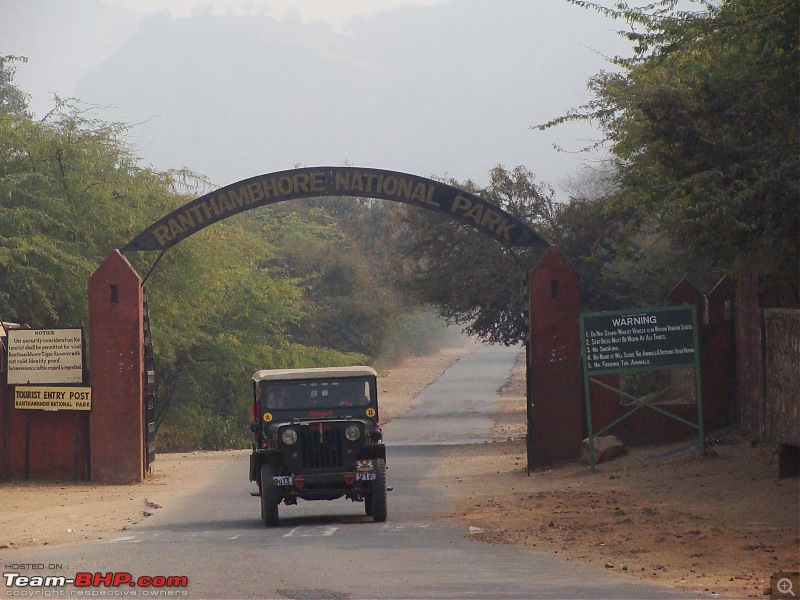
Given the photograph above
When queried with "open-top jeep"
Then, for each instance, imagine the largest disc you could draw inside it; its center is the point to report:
(317, 437)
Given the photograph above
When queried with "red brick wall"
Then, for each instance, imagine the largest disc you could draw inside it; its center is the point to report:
(38, 444)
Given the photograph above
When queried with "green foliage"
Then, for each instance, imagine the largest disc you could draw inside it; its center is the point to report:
(621, 269)
(703, 121)
(253, 292)
(326, 246)
(69, 192)
(472, 280)
(12, 99)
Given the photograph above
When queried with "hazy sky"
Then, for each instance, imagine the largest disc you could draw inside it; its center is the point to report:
(236, 89)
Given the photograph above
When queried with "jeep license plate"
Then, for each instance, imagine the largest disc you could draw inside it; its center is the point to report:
(284, 480)
(368, 476)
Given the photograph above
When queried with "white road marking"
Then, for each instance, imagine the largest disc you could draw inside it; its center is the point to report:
(307, 531)
(402, 529)
(128, 539)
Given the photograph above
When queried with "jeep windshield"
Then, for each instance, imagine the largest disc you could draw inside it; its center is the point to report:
(308, 395)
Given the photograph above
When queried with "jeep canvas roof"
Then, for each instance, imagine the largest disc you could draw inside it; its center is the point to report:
(317, 373)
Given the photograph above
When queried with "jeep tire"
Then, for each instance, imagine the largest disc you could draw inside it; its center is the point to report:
(269, 496)
(377, 498)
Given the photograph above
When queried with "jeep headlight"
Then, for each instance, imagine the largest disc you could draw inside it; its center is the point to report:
(352, 432)
(289, 436)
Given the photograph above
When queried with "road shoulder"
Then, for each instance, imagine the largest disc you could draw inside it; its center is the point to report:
(720, 524)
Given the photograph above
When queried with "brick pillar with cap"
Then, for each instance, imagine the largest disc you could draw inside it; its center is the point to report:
(116, 359)
(555, 392)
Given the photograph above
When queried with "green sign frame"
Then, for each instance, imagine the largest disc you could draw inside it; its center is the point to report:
(645, 339)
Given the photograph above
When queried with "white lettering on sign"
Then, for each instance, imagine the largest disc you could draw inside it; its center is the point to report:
(637, 320)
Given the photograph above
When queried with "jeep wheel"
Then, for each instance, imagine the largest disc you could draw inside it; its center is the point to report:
(378, 495)
(269, 496)
(368, 504)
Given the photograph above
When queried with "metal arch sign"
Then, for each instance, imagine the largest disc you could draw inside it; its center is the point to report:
(311, 182)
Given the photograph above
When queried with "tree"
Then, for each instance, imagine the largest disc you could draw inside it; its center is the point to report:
(260, 290)
(70, 192)
(12, 99)
(349, 304)
(620, 266)
(471, 279)
(703, 122)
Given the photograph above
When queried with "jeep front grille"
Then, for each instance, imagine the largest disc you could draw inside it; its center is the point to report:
(321, 447)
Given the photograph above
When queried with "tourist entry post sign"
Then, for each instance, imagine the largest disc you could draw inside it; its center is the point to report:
(46, 368)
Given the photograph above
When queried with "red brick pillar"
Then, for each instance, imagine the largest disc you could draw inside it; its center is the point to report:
(555, 389)
(685, 292)
(116, 355)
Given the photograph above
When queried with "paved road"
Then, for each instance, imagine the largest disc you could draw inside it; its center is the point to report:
(332, 550)
(456, 408)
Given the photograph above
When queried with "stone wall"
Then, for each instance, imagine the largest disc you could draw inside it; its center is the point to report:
(781, 334)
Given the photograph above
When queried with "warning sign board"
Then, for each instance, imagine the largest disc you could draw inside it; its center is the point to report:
(655, 338)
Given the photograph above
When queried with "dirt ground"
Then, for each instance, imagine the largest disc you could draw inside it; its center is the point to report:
(720, 524)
